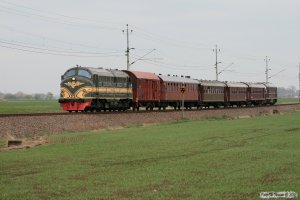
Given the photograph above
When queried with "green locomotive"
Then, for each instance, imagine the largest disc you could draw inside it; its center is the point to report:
(95, 89)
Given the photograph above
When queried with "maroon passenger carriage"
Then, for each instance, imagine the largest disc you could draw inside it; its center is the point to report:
(271, 94)
(171, 95)
(236, 94)
(212, 93)
(256, 94)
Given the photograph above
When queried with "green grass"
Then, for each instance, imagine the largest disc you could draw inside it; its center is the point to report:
(287, 100)
(29, 106)
(209, 159)
(3, 143)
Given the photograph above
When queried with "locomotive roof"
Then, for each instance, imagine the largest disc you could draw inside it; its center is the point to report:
(212, 83)
(143, 75)
(256, 85)
(177, 79)
(236, 84)
(107, 72)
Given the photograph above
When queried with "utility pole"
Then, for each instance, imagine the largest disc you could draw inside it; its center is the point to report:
(216, 65)
(267, 69)
(128, 49)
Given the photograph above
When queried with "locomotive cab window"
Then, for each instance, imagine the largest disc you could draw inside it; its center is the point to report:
(84, 73)
(69, 73)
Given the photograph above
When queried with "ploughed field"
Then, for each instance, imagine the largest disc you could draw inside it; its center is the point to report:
(216, 158)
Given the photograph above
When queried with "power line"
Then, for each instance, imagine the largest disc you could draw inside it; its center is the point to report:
(175, 42)
(48, 38)
(58, 14)
(50, 18)
(57, 54)
(56, 50)
(141, 58)
(176, 66)
(168, 41)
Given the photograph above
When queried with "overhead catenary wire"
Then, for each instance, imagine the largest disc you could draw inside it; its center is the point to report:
(57, 54)
(58, 14)
(57, 50)
(83, 21)
(47, 38)
(171, 41)
(146, 34)
(77, 21)
(52, 19)
(175, 67)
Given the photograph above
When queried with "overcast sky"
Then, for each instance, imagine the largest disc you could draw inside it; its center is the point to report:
(40, 40)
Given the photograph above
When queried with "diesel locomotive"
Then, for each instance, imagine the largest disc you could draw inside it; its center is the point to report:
(95, 89)
(99, 89)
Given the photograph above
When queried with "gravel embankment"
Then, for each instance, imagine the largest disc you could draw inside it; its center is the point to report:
(18, 127)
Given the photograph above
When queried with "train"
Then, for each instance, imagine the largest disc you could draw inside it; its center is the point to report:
(99, 89)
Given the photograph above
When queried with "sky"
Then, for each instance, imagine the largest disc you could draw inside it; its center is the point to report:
(40, 40)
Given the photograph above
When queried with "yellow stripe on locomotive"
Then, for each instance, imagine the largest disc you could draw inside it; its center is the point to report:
(94, 92)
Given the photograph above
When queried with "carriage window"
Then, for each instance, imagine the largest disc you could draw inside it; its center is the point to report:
(71, 72)
(84, 73)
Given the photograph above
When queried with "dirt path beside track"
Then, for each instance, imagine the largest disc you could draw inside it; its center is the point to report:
(32, 126)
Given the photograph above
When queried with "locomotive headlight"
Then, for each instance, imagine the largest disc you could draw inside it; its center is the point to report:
(73, 79)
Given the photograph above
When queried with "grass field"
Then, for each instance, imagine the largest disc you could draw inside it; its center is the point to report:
(210, 159)
(30, 106)
(287, 100)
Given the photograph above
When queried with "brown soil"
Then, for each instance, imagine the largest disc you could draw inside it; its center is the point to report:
(34, 128)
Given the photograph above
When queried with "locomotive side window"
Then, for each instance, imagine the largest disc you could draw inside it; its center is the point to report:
(69, 73)
(84, 73)
(121, 82)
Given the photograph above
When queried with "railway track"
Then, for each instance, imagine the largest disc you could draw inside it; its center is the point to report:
(129, 111)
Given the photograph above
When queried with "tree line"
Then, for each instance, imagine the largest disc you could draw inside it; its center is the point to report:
(290, 92)
(23, 96)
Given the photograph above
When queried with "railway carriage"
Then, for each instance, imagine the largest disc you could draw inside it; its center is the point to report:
(271, 94)
(256, 94)
(145, 88)
(171, 94)
(212, 93)
(236, 94)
